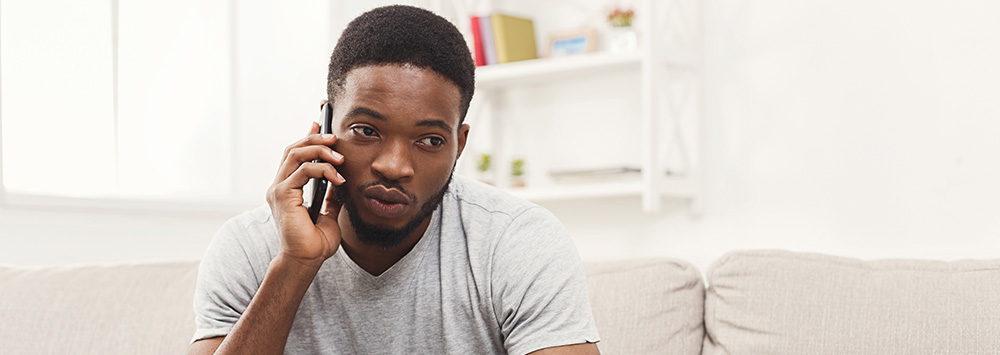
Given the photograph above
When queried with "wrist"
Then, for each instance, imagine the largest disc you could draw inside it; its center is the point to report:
(296, 268)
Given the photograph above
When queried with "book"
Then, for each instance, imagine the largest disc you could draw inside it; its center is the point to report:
(489, 49)
(513, 37)
(477, 38)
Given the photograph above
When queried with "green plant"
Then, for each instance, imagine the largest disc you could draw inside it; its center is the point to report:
(517, 168)
(484, 162)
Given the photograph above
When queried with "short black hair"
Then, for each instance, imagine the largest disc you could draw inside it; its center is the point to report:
(401, 34)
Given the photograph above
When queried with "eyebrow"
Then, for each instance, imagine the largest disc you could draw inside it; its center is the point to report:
(434, 123)
(359, 111)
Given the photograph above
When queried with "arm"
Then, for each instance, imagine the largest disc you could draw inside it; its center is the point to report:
(264, 326)
(575, 349)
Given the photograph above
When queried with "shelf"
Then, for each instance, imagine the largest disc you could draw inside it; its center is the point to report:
(551, 69)
(669, 70)
(555, 192)
(675, 186)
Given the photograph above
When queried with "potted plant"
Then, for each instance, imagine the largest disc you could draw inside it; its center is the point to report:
(622, 36)
(483, 167)
(517, 173)
(619, 17)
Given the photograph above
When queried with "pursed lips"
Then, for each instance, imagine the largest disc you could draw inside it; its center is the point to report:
(385, 202)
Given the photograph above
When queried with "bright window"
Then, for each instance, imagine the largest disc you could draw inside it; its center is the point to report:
(116, 99)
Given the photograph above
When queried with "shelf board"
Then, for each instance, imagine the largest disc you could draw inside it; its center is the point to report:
(578, 190)
(549, 69)
(672, 186)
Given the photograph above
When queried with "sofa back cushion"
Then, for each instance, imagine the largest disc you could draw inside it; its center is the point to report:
(779, 302)
(647, 306)
(640, 307)
(140, 308)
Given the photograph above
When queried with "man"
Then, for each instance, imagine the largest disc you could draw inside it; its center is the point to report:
(405, 259)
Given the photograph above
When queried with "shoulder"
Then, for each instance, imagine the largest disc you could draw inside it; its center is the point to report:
(250, 228)
(249, 237)
(231, 270)
(494, 229)
(486, 202)
(259, 216)
(508, 225)
(532, 274)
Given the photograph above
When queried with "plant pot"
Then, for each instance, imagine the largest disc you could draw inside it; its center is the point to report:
(622, 39)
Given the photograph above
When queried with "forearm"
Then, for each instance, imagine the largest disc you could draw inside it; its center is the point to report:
(264, 326)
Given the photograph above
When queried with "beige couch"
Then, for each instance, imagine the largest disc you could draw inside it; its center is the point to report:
(757, 302)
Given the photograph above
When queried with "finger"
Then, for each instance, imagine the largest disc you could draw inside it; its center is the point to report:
(316, 139)
(288, 193)
(297, 179)
(311, 139)
(299, 155)
(327, 221)
(321, 103)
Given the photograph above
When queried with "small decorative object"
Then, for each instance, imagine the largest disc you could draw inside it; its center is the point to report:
(622, 36)
(517, 173)
(619, 17)
(572, 42)
(483, 167)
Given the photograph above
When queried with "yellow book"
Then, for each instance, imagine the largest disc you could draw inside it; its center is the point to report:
(514, 38)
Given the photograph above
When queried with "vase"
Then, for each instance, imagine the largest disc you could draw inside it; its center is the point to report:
(622, 39)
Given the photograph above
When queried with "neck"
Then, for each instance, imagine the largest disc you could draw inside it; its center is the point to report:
(375, 259)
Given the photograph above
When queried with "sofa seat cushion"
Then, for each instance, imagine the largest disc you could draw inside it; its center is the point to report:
(134, 308)
(649, 306)
(779, 302)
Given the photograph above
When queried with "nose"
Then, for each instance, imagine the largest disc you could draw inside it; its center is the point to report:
(393, 161)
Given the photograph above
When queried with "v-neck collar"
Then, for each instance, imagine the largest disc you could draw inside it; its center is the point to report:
(402, 267)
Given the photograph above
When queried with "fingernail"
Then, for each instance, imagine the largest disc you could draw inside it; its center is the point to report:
(341, 177)
(337, 155)
(328, 136)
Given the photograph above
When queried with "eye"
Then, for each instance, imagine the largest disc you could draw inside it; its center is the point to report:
(432, 141)
(364, 131)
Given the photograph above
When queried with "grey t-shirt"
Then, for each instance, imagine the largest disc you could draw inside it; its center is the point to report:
(492, 274)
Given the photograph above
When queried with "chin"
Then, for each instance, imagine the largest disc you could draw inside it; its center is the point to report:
(387, 223)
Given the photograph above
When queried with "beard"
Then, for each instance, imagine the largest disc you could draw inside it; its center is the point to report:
(381, 235)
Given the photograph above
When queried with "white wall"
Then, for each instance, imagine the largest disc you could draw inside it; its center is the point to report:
(860, 128)
(863, 128)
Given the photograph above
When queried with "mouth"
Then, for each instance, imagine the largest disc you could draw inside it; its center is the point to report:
(384, 202)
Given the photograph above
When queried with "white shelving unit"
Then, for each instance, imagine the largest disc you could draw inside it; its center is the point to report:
(551, 69)
(674, 51)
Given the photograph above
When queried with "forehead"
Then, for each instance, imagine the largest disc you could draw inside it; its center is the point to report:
(405, 90)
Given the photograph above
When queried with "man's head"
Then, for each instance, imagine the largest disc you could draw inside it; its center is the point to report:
(400, 82)
(403, 35)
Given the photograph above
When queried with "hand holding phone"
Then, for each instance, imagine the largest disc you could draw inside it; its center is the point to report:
(314, 193)
(308, 239)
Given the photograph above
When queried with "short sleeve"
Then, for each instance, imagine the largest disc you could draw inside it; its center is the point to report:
(228, 276)
(539, 287)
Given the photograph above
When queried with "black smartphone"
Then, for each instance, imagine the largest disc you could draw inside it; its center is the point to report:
(315, 190)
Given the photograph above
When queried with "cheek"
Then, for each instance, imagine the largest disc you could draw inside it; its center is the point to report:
(436, 172)
(356, 159)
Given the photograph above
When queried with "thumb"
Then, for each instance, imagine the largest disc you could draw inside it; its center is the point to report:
(327, 221)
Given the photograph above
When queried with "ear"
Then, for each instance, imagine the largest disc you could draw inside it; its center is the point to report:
(463, 137)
